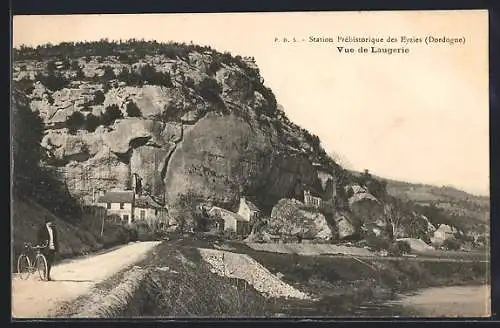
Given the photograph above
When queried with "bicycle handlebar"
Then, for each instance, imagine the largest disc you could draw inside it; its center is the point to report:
(29, 245)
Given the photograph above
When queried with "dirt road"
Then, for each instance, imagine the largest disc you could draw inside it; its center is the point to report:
(454, 301)
(33, 298)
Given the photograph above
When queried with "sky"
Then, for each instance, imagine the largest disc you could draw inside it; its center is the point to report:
(420, 116)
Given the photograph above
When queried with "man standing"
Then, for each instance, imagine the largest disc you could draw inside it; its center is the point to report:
(47, 235)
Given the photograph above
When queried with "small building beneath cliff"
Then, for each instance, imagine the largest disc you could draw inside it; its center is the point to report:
(118, 203)
(233, 222)
(248, 210)
(130, 207)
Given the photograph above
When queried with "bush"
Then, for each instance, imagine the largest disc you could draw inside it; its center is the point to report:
(189, 82)
(53, 82)
(79, 74)
(209, 89)
(51, 66)
(214, 66)
(111, 114)
(75, 66)
(451, 244)
(150, 75)
(133, 110)
(75, 121)
(99, 97)
(26, 85)
(92, 122)
(50, 99)
(109, 74)
(377, 243)
(116, 234)
(399, 248)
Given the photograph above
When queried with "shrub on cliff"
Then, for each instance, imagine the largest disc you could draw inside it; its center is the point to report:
(147, 74)
(150, 75)
(53, 81)
(111, 114)
(133, 110)
(269, 96)
(75, 121)
(92, 122)
(26, 85)
(109, 74)
(209, 89)
(98, 97)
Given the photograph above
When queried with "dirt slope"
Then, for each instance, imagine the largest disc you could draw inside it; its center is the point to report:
(33, 298)
(28, 216)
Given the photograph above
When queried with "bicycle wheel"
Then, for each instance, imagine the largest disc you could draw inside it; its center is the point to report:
(23, 266)
(41, 265)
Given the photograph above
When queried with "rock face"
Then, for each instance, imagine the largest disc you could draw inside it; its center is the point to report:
(346, 228)
(290, 217)
(444, 232)
(214, 131)
(212, 138)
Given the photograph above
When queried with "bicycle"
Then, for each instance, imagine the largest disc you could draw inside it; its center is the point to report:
(25, 267)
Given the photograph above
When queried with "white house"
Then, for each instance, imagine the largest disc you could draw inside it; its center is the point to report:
(130, 207)
(232, 221)
(119, 203)
(248, 210)
(443, 232)
(312, 199)
(149, 210)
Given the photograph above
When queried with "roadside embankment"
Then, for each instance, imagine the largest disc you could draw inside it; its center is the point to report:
(74, 240)
(184, 281)
(173, 282)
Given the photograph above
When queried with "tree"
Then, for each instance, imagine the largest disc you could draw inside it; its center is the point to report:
(75, 121)
(111, 113)
(53, 81)
(51, 67)
(133, 110)
(99, 97)
(393, 218)
(92, 122)
(109, 74)
(79, 74)
(75, 66)
(27, 133)
(209, 89)
(451, 244)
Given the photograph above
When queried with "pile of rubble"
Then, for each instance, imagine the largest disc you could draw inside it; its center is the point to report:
(242, 266)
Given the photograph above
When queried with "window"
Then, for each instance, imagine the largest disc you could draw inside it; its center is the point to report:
(125, 218)
(122, 206)
(143, 214)
(156, 212)
(108, 206)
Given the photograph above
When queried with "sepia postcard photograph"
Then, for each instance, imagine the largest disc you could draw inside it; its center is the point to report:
(250, 165)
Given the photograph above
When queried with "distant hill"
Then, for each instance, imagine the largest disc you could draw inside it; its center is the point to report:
(464, 210)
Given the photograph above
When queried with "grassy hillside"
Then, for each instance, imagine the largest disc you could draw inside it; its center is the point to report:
(450, 205)
(443, 204)
(74, 240)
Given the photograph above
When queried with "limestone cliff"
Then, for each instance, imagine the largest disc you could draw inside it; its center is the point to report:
(202, 122)
(187, 120)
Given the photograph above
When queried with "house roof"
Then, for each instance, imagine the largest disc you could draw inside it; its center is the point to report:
(252, 206)
(146, 202)
(225, 214)
(313, 193)
(363, 197)
(117, 197)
